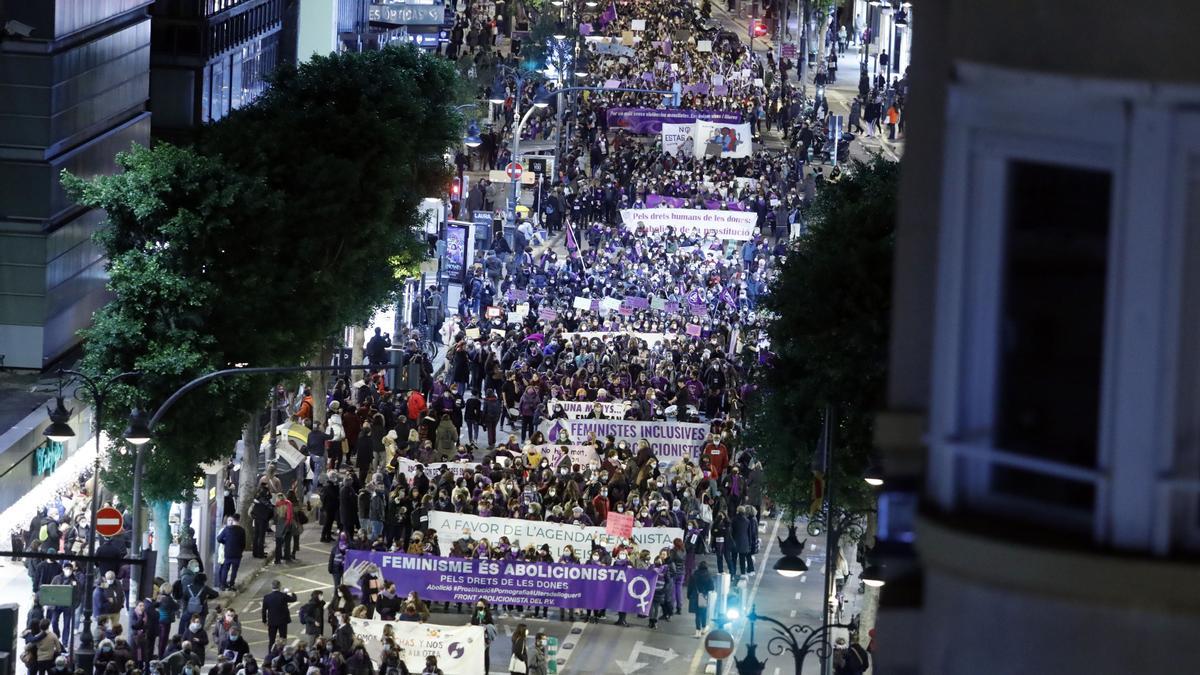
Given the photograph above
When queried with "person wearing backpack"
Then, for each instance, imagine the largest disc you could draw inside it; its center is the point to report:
(312, 617)
(194, 597)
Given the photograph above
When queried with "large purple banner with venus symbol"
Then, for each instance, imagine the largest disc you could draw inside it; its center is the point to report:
(510, 582)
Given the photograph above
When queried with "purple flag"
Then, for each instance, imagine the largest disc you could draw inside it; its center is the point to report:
(727, 297)
(609, 15)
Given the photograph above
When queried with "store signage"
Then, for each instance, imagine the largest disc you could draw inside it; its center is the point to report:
(407, 15)
(46, 457)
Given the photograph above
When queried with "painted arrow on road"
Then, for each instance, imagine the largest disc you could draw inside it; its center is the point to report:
(631, 665)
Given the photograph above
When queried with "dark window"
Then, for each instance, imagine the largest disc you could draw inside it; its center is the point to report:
(1052, 318)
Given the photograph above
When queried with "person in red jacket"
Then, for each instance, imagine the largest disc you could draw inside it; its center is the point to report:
(717, 454)
(600, 506)
(416, 408)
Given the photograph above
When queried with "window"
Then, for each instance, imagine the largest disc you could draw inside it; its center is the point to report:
(1052, 322)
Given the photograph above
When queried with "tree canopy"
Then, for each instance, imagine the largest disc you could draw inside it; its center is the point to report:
(285, 222)
(831, 311)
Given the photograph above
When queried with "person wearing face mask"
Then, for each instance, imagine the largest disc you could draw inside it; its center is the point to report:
(195, 634)
(193, 593)
(235, 643)
(538, 660)
(622, 561)
(62, 619)
(482, 616)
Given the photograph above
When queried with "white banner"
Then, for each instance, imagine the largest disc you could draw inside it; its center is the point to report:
(613, 410)
(522, 533)
(408, 467)
(459, 649)
(737, 225)
(730, 140)
(578, 454)
(676, 137)
(671, 441)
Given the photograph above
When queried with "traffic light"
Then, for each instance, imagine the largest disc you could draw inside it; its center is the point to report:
(758, 28)
(456, 188)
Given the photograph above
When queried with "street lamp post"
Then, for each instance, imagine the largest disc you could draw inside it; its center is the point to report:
(60, 431)
(799, 640)
(140, 430)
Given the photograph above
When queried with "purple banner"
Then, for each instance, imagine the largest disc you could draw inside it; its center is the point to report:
(650, 120)
(653, 201)
(514, 582)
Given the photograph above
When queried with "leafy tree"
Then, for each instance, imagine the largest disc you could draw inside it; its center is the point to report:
(170, 214)
(350, 143)
(287, 221)
(830, 309)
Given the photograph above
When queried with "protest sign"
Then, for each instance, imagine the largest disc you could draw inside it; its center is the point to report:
(671, 441)
(582, 303)
(547, 314)
(472, 333)
(729, 140)
(693, 330)
(676, 137)
(704, 45)
(638, 24)
(577, 409)
(518, 295)
(619, 525)
(459, 649)
(514, 582)
(575, 454)
(450, 526)
(609, 304)
(738, 225)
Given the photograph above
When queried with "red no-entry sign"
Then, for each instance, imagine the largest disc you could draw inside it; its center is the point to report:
(109, 522)
(514, 170)
(719, 644)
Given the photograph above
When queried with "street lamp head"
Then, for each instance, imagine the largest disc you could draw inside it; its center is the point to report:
(498, 94)
(59, 431)
(138, 431)
(873, 476)
(733, 613)
(472, 139)
(541, 97)
(791, 566)
(872, 575)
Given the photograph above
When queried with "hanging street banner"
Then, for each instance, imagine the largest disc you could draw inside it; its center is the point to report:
(651, 120)
(676, 137)
(736, 225)
(511, 582)
(672, 441)
(459, 649)
(727, 140)
(613, 410)
(450, 527)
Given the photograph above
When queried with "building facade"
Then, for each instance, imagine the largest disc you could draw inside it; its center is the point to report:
(74, 81)
(1042, 435)
(209, 57)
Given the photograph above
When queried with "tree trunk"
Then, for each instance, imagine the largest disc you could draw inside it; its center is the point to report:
(320, 383)
(357, 338)
(248, 476)
(161, 514)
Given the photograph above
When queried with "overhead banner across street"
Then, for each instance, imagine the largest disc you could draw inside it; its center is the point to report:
(514, 582)
(459, 649)
(450, 526)
(736, 225)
